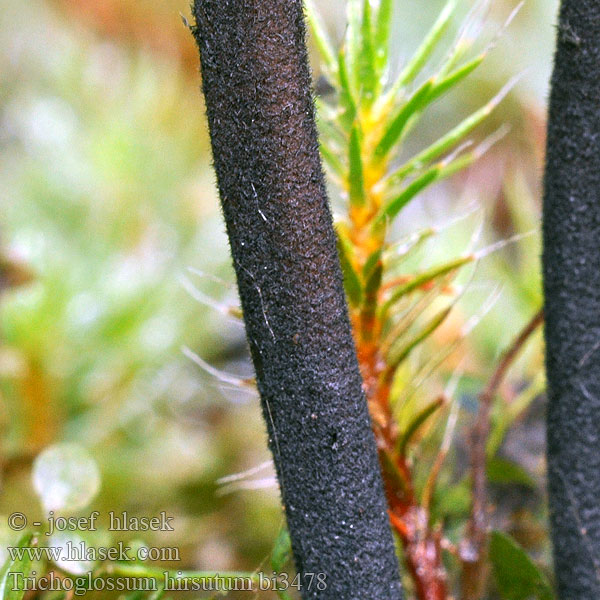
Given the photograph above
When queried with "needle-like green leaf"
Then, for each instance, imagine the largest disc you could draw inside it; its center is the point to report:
(458, 164)
(347, 101)
(356, 174)
(459, 49)
(454, 78)
(353, 42)
(382, 36)
(366, 76)
(401, 350)
(425, 50)
(373, 282)
(393, 133)
(371, 262)
(389, 211)
(449, 140)
(399, 251)
(419, 420)
(424, 278)
(372, 285)
(352, 283)
(331, 159)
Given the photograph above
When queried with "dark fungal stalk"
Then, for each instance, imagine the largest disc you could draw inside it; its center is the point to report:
(256, 84)
(571, 228)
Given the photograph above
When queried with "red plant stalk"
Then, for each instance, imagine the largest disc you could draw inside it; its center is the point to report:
(421, 543)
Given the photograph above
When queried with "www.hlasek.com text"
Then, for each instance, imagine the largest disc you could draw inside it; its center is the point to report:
(82, 552)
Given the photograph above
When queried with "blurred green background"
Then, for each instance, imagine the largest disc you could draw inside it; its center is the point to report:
(110, 217)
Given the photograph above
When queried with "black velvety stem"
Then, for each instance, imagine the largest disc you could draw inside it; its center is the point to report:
(256, 82)
(572, 306)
